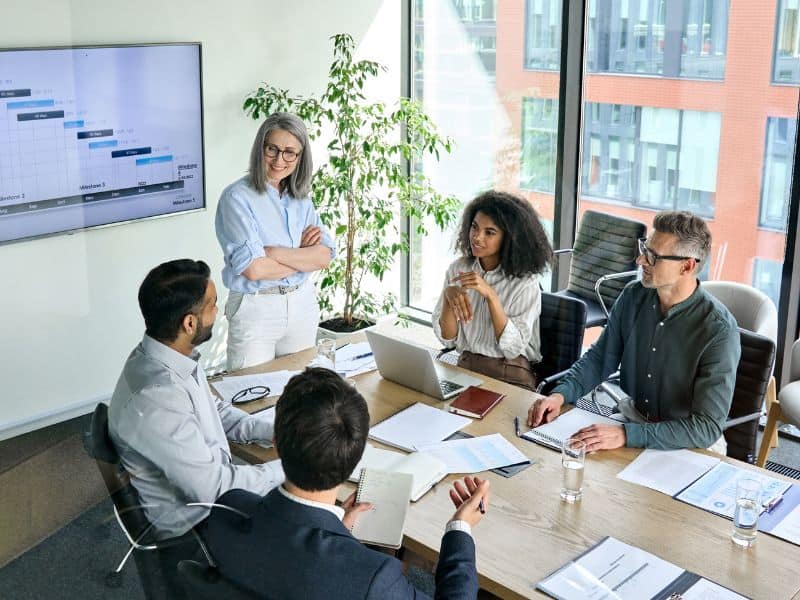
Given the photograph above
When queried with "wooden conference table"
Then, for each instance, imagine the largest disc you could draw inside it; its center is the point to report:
(528, 532)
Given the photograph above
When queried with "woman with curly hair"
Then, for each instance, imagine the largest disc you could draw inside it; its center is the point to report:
(490, 305)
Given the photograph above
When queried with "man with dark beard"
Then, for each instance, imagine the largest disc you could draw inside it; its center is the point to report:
(170, 431)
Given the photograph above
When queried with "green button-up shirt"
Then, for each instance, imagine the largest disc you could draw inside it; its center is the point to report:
(679, 368)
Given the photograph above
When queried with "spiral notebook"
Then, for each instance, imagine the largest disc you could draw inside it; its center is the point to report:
(389, 494)
(553, 434)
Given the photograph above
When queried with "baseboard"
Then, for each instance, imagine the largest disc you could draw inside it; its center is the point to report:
(51, 417)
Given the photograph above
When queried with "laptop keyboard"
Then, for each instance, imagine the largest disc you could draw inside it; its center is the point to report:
(448, 387)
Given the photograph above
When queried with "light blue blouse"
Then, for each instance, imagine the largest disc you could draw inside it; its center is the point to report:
(247, 221)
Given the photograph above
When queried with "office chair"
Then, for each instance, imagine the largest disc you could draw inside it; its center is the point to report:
(603, 262)
(205, 583)
(752, 379)
(754, 311)
(129, 513)
(561, 327)
(785, 409)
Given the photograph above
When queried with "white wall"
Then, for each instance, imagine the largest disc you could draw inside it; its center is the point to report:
(69, 308)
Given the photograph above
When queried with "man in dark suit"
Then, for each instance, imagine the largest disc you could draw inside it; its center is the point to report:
(295, 542)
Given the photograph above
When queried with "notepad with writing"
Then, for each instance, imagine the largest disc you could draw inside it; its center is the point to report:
(389, 494)
(553, 434)
(426, 470)
(475, 402)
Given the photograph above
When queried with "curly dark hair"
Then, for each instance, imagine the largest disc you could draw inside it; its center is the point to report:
(526, 249)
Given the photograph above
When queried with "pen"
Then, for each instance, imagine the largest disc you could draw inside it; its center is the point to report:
(365, 355)
(481, 507)
(516, 425)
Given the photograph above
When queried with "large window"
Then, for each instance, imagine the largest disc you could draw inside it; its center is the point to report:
(671, 38)
(777, 175)
(786, 67)
(660, 158)
(680, 111)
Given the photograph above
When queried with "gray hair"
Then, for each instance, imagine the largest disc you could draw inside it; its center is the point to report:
(694, 237)
(298, 184)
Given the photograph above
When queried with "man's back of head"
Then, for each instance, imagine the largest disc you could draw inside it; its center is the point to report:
(321, 428)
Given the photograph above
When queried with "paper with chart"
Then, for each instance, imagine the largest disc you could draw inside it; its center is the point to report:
(473, 455)
(667, 471)
(418, 425)
(716, 490)
(354, 359)
(275, 381)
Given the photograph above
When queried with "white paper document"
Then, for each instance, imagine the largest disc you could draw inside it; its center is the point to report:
(667, 471)
(716, 490)
(612, 570)
(275, 381)
(426, 470)
(418, 425)
(708, 590)
(788, 528)
(473, 455)
(354, 359)
(553, 434)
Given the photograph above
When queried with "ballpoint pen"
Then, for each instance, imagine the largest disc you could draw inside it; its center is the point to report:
(365, 355)
(481, 507)
(516, 425)
(773, 503)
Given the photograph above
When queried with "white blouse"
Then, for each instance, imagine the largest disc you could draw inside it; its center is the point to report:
(522, 302)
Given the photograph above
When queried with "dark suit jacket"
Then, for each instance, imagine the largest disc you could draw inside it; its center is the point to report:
(290, 550)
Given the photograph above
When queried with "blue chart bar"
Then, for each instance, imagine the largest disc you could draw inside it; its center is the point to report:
(153, 159)
(130, 152)
(30, 104)
(103, 144)
(72, 124)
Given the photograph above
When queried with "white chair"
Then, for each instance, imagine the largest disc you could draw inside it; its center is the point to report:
(754, 311)
(785, 409)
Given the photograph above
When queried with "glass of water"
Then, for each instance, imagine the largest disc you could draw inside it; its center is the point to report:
(745, 515)
(326, 353)
(573, 455)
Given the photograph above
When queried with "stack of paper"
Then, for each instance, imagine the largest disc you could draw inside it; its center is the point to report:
(354, 359)
(667, 471)
(473, 455)
(418, 425)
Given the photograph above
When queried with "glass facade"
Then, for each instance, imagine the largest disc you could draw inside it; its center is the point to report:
(786, 62)
(777, 176)
(668, 38)
(543, 35)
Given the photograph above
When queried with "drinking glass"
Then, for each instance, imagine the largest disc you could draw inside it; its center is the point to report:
(326, 352)
(745, 515)
(573, 454)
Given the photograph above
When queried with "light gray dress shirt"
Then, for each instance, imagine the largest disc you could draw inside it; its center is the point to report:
(170, 432)
(522, 302)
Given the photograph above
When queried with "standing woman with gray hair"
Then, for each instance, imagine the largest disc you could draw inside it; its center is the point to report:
(272, 240)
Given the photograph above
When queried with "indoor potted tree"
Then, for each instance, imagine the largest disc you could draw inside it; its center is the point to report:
(366, 184)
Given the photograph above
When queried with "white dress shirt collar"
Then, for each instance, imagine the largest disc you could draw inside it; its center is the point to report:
(181, 364)
(336, 510)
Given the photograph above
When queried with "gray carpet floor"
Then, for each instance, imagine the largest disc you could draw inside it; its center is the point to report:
(73, 562)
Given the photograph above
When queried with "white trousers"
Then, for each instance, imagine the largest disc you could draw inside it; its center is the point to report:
(261, 327)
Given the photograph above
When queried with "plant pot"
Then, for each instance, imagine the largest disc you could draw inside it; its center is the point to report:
(335, 328)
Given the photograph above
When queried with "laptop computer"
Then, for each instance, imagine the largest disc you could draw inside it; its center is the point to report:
(413, 366)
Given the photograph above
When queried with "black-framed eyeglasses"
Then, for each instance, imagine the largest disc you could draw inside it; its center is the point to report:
(652, 257)
(259, 392)
(289, 154)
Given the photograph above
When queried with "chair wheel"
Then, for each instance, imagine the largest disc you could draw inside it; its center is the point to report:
(113, 579)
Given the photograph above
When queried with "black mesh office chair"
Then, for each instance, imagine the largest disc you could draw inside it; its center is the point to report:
(205, 583)
(752, 380)
(561, 327)
(603, 262)
(130, 516)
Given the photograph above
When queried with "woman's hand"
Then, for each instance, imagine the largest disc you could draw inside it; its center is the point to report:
(470, 280)
(312, 235)
(459, 303)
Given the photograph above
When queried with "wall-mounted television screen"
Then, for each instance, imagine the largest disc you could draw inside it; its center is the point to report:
(98, 135)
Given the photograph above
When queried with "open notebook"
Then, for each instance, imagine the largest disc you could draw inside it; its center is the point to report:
(426, 470)
(389, 493)
(553, 434)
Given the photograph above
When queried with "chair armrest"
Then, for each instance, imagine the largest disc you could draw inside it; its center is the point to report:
(609, 277)
(740, 420)
(547, 384)
(563, 251)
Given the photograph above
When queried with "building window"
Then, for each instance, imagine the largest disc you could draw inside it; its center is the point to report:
(786, 62)
(777, 173)
(539, 137)
(767, 277)
(658, 158)
(543, 35)
(672, 38)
